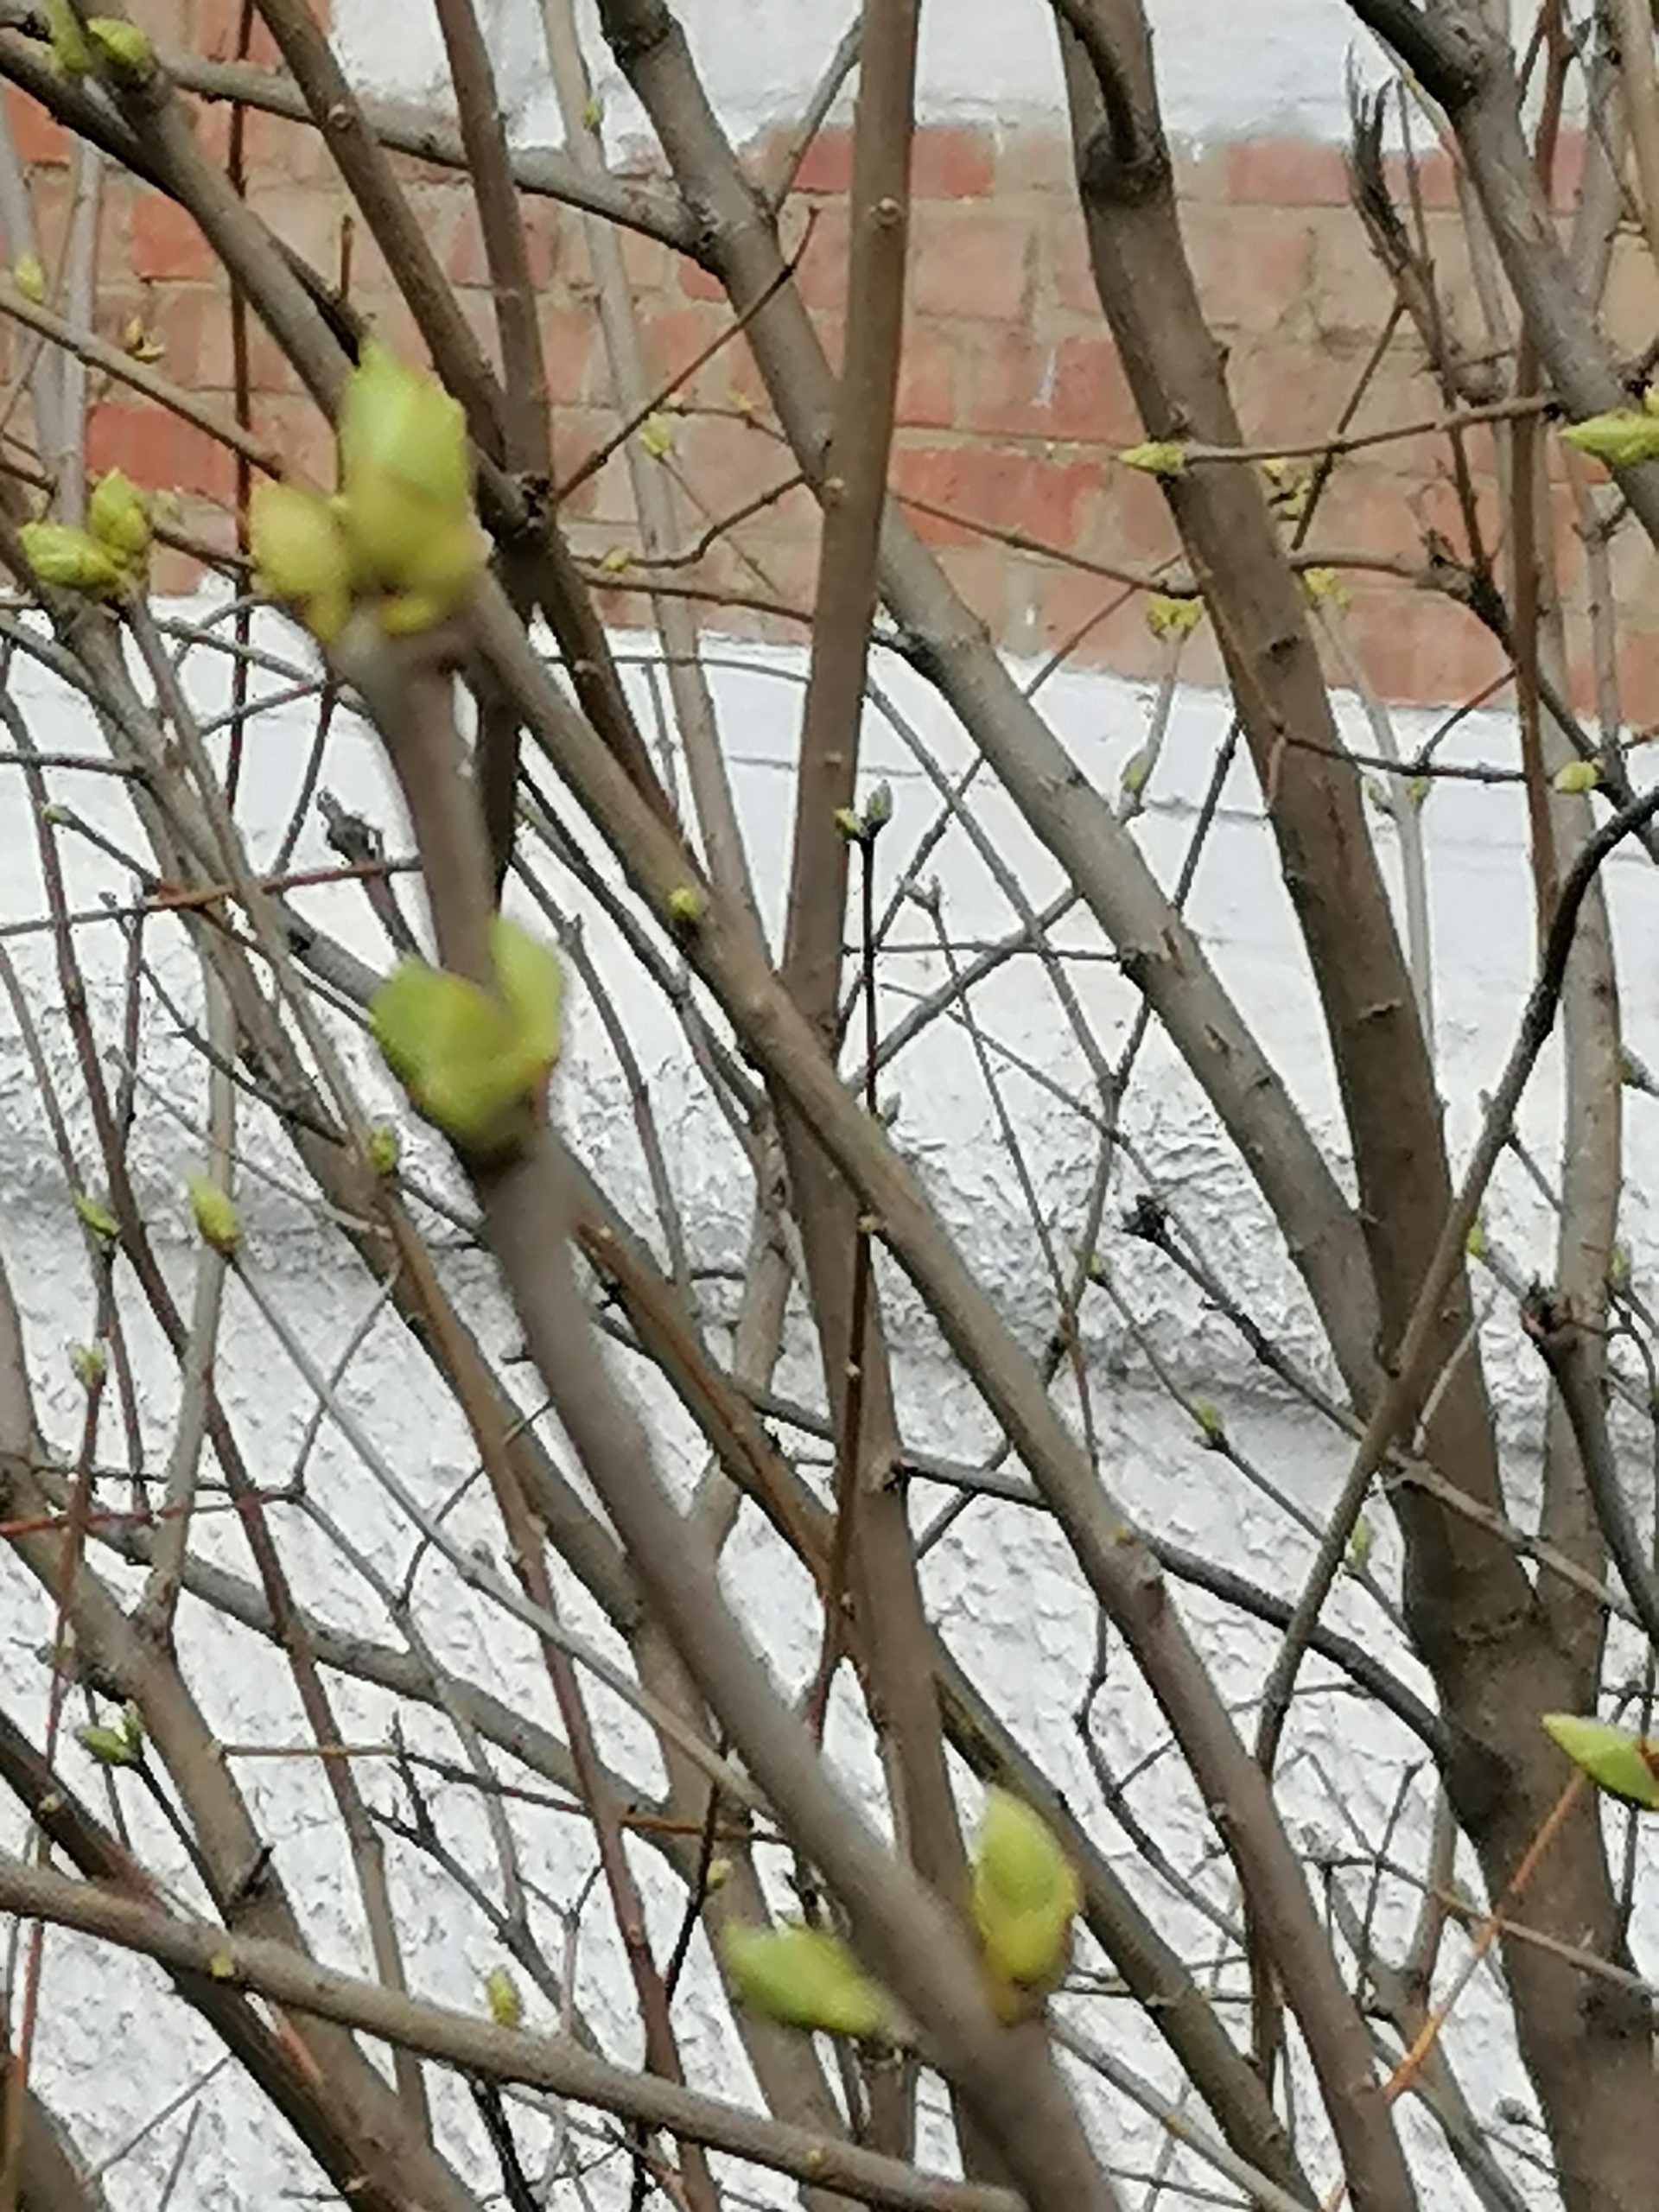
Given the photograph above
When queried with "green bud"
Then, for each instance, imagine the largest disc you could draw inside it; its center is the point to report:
(406, 485)
(121, 47)
(501, 1995)
(1475, 1243)
(118, 516)
(1168, 617)
(473, 1061)
(218, 1223)
(878, 808)
(385, 1148)
(804, 1978)
(1573, 776)
(30, 277)
(89, 1364)
(96, 1216)
(1209, 1419)
(657, 437)
(1622, 438)
(71, 559)
(299, 547)
(132, 1724)
(109, 1746)
(687, 907)
(1359, 1545)
(1136, 769)
(1023, 1897)
(847, 822)
(1157, 457)
(71, 51)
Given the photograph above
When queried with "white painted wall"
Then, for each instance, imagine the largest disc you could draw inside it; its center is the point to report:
(1263, 65)
(1003, 1591)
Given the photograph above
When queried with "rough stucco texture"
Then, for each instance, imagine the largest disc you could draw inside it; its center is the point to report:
(999, 1581)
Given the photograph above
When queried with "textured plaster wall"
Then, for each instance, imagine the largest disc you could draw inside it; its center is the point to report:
(1275, 66)
(1000, 1582)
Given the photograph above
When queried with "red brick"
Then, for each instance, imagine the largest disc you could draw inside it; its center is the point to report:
(166, 243)
(1036, 161)
(675, 337)
(821, 272)
(571, 352)
(1421, 646)
(40, 139)
(1023, 492)
(949, 161)
(972, 261)
(1285, 173)
(1065, 268)
(928, 377)
(1069, 388)
(827, 166)
(192, 323)
(1252, 271)
(1436, 185)
(156, 449)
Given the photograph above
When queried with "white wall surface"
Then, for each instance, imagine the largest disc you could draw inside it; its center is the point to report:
(1225, 71)
(1006, 1597)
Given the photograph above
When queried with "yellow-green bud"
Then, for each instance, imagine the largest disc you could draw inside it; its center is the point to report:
(474, 1062)
(73, 559)
(501, 1995)
(804, 1978)
(96, 1216)
(1169, 617)
(299, 547)
(29, 276)
(71, 51)
(117, 514)
(687, 906)
(218, 1223)
(1023, 1898)
(1622, 438)
(1157, 457)
(109, 1746)
(1575, 776)
(89, 1364)
(406, 482)
(121, 47)
(385, 1148)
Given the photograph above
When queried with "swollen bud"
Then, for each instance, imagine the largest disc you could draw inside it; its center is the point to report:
(1623, 438)
(30, 277)
(501, 1995)
(71, 559)
(406, 485)
(118, 516)
(121, 47)
(71, 50)
(1023, 1898)
(301, 555)
(1573, 776)
(385, 1148)
(473, 1062)
(217, 1222)
(804, 1978)
(109, 1746)
(89, 1364)
(1158, 457)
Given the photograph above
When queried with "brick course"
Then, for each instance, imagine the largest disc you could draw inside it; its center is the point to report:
(1010, 394)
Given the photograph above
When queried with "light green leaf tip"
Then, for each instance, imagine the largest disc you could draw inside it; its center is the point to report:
(1616, 1760)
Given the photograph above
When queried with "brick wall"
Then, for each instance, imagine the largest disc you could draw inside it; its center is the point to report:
(1011, 395)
